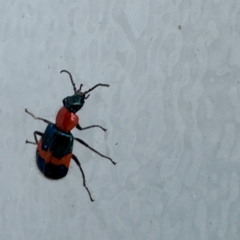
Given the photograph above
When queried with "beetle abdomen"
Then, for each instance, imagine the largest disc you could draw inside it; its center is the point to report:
(54, 152)
(51, 170)
(58, 142)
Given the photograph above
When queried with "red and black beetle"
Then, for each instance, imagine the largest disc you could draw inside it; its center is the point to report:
(54, 150)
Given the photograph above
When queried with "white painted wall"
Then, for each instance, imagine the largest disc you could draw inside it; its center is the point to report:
(172, 113)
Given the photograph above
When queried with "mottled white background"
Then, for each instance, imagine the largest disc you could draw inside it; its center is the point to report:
(172, 113)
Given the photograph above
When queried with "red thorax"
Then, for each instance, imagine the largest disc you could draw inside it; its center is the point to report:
(66, 120)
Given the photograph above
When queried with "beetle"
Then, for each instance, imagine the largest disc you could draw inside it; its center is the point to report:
(54, 149)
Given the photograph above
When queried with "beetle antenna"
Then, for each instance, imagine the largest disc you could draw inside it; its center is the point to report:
(71, 78)
(100, 84)
(79, 90)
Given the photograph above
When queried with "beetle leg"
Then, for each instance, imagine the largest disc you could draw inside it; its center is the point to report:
(86, 145)
(37, 118)
(35, 137)
(92, 126)
(83, 176)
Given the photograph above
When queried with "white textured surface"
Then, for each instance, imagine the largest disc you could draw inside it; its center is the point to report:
(173, 108)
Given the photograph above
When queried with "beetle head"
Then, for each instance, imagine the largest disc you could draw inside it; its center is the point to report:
(75, 102)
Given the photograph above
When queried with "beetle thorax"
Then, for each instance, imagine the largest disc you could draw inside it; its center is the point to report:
(66, 120)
